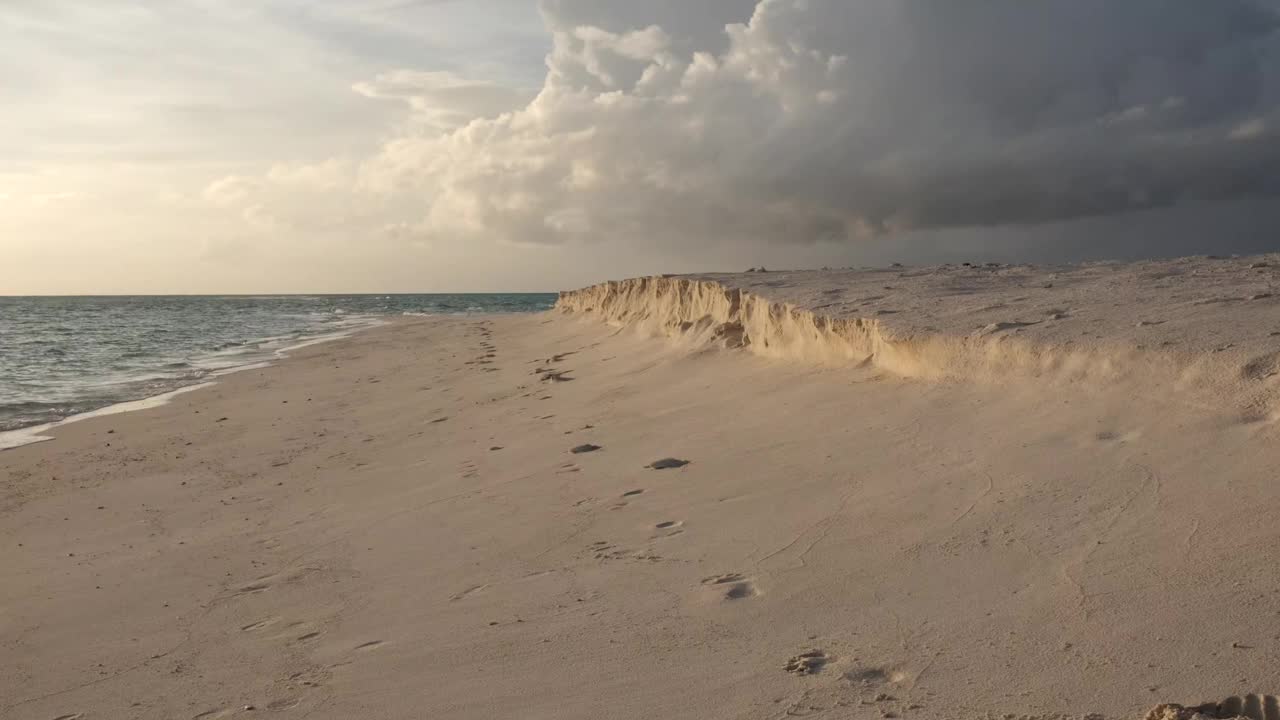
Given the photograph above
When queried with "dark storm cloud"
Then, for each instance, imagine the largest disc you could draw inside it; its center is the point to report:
(802, 120)
(678, 124)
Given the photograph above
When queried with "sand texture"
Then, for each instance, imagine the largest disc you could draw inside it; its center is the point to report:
(1205, 329)
(659, 515)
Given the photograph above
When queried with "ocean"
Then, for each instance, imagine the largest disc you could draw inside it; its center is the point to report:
(63, 356)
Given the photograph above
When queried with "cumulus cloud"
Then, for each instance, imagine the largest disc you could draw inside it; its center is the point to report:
(442, 100)
(811, 120)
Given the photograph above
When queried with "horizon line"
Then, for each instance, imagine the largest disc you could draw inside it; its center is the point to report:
(271, 294)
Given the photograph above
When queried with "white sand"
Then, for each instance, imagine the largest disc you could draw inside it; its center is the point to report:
(1205, 329)
(848, 540)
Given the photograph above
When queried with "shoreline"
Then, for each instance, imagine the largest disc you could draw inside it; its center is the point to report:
(412, 522)
(70, 355)
(35, 433)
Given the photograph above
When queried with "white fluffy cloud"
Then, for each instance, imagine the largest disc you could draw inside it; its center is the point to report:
(828, 119)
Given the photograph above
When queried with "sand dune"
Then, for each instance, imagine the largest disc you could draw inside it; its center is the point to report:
(862, 519)
(1203, 327)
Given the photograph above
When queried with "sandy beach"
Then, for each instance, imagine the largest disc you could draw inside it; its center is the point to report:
(952, 492)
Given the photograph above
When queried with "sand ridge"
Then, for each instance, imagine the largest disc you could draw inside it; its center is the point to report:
(1204, 329)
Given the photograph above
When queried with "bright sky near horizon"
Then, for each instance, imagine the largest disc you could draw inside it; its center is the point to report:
(168, 146)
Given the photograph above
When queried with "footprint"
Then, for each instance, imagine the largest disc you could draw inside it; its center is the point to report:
(997, 327)
(309, 636)
(73, 716)
(668, 529)
(259, 625)
(297, 575)
(468, 592)
(874, 676)
(254, 588)
(722, 579)
(629, 493)
(283, 704)
(1108, 436)
(732, 586)
(585, 448)
(667, 464)
(807, 663)
(312, 678)
(605, 550)
(369, 645)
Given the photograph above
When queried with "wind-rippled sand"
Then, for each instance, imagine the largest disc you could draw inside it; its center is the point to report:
(550, 516)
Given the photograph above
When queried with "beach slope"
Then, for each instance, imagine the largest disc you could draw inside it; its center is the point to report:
(694, 497)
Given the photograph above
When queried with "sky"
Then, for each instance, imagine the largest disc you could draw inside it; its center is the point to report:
(224, 146)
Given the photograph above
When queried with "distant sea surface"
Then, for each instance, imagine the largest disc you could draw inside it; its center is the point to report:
(61, 356)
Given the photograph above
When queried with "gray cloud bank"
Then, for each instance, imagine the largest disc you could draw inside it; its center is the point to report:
(808, 120)
(673, 125)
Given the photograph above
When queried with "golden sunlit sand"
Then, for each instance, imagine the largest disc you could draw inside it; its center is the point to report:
(684, 497)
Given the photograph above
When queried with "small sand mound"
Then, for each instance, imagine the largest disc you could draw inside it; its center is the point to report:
(1248, 707)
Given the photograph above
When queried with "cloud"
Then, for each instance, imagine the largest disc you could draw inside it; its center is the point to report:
(442, 100)
(816, 120)
(671, 124)
(611, 135)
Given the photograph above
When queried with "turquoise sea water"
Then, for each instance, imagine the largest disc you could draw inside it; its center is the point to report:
(61, 356)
